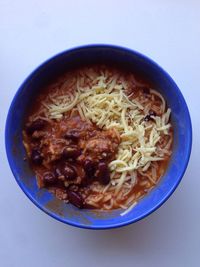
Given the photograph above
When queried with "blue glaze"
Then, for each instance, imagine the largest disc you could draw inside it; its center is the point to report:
(73, 58)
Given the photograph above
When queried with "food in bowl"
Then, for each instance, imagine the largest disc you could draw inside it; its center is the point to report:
(99, 137)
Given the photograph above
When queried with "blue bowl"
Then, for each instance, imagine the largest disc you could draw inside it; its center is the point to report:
(85, 55)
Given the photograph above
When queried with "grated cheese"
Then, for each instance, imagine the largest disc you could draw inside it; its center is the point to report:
(129, 209)
(106, 104)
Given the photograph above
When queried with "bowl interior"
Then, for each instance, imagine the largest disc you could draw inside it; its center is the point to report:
(87, 55)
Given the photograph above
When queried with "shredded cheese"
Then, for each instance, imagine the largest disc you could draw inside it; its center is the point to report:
(129, 209)
(106, 104)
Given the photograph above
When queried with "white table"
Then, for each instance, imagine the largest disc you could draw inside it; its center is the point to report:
(168, 31)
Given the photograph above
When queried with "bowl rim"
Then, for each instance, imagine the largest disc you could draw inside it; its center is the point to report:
(109, 225)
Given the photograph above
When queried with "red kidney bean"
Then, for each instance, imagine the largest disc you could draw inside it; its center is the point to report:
(85, 182)
(103, 173)
(89, 167)
(88, 206)
(36, 156)
(49, 178)
(71, 152)
(73, 187)
(146, 90)
(152, 113)
(58, 172)
(73, 135)
(75, 198)
(69, 172)
(35, 126)
(149, 116)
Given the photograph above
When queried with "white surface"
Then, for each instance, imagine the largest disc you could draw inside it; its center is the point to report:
(168, 31)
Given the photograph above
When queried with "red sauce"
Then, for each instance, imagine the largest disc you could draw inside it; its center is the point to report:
(70, 151)
(70, 155)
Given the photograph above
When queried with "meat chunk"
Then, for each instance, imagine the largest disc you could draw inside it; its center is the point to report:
(52, 148)
(98, 147)
(104, 145)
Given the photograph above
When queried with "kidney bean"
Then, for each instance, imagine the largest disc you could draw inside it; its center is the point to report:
(73, 135)
(103, 173)
(36, 156)
(35, 126)
(58, 172)
(73, 187)
(85, 182)
(49, 178)
(89, 167)
(71, 152)
(149, 116)
(69, 172)
(146, 90)
(75, 198)
(152, 113)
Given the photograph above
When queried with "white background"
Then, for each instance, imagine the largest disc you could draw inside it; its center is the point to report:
(168, 31)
